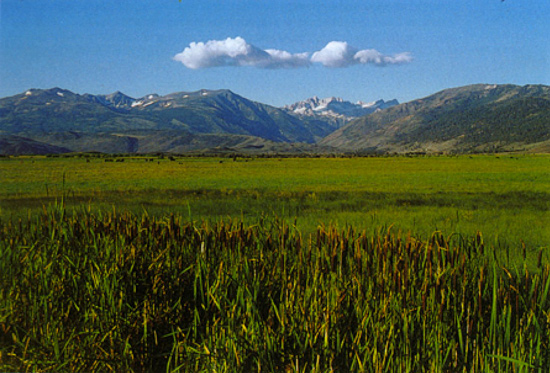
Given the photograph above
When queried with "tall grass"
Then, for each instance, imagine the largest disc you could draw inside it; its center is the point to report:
(117, 291)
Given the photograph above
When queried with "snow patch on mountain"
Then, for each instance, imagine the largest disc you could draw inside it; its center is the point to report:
(336, 107)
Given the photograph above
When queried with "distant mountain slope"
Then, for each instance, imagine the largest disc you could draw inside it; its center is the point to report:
(473, 118)
(37, 112)
(221, 143)
(119, 123)
(222, 111)
(16, 145)
(116, 99)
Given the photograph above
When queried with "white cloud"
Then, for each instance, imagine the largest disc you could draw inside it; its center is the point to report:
(283, 59)
(335, 54)
(340, 54)
(237, 52)
(377, 58)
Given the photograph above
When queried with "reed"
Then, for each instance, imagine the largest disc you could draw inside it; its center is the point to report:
(117, 291)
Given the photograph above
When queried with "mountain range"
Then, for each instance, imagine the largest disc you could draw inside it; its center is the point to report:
(474, 118)
(177, 122)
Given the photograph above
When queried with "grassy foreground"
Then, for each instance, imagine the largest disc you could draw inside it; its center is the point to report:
(205, 264)
(84, 291)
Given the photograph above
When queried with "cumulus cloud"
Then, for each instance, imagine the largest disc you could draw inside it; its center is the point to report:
(340, 54)
(335, 54)
(237, 52)
(377, 58)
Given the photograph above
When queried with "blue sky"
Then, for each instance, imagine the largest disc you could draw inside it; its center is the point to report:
(402, 49)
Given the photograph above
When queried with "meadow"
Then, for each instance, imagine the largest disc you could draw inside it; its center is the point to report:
(504, 197)
(292, 264)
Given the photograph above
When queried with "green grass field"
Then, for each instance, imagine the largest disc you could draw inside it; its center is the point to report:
(302, 265)
(506, 198)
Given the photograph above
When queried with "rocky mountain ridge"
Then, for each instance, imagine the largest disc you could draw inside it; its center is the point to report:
(336, 109)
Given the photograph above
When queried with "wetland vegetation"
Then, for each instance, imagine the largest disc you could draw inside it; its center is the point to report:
(300, 264)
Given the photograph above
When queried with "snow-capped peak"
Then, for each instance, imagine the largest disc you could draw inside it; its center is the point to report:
(337, 107)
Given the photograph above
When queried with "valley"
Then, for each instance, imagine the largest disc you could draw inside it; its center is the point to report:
(206, 232)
